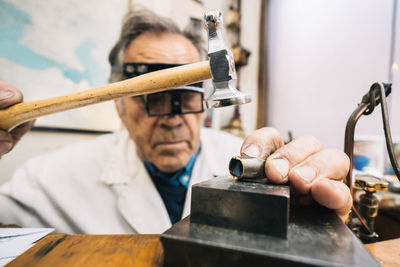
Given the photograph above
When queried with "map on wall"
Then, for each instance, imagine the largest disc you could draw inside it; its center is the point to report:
(52, 48)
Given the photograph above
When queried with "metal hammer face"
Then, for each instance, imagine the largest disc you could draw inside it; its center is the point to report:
(222, 66)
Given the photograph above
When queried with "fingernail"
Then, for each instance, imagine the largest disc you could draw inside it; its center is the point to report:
(282, 166)
(5, 94)
(252, 151)
(5, 147)
(306, 173)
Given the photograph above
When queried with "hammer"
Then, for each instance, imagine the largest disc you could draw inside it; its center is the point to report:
(220, 67)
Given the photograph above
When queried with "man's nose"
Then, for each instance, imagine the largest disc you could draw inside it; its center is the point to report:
(171, 121)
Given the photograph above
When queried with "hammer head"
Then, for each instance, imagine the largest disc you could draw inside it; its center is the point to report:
(222, 66)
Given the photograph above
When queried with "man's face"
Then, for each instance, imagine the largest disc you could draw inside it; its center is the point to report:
(166, 141)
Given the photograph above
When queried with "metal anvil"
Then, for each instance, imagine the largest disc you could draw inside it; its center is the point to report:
(234, 223)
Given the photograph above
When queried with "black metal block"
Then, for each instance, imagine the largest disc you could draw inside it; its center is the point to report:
(316, 237)
(245, 206)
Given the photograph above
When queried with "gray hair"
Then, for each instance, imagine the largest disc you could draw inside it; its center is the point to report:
(139, 22)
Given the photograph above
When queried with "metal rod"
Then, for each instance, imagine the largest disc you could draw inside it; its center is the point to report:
(349, 141)
(362, 220)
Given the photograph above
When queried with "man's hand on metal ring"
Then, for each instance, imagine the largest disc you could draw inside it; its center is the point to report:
(311, 170)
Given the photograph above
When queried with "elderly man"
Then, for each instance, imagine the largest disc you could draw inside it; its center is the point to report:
(137, 180)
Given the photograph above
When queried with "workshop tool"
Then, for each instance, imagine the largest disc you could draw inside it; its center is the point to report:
(368, 205)
(361, 219)
(220, 68)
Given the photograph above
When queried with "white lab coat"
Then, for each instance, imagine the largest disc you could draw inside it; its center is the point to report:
(102, 187)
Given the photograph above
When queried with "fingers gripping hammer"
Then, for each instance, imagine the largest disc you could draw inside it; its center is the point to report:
(220, 68)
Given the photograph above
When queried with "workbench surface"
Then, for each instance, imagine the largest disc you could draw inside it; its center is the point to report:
(132, 250)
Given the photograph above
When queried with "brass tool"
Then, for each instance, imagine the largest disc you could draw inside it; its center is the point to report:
(366, 215)
(220, 68)
(368, 204)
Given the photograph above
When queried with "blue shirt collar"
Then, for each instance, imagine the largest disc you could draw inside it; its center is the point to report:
(181, 177)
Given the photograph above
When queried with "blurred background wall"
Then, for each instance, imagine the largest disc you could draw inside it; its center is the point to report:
(323, 57)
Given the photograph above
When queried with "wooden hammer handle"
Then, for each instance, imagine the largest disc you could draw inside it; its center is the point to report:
(144, 84)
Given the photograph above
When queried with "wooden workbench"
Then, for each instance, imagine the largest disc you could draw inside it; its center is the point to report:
(59, 250)
(386, 252)
(93, 250)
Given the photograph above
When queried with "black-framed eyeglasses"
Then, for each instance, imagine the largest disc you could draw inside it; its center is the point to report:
(182, 100)
(173, 102)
